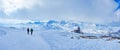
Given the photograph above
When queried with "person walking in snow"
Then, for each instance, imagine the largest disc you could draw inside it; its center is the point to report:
(28, 31)
(78, 30)
(31, 31)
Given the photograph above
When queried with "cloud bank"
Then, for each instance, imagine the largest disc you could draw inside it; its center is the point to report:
(12, 21)
(97, 11)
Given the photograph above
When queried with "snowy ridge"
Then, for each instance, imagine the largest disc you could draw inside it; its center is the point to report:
(70, 25)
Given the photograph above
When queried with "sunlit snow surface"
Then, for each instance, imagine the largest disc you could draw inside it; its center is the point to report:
(12, 38)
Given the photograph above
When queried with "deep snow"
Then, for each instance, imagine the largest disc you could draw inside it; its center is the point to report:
(17, 39)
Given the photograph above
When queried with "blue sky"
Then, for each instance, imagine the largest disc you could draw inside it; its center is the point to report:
(96, 11)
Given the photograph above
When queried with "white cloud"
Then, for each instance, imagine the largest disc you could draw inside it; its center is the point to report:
(117, 15)
(77, 10)
(12, 21)
(10, 6)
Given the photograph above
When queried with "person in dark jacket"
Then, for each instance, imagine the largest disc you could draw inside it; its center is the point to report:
(28, 31)
(78, 30)
(31, 31)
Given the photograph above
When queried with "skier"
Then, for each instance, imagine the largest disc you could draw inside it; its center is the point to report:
(31, 31)
(28, 31)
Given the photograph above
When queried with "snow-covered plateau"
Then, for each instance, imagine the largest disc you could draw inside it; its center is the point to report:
(57, 35)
